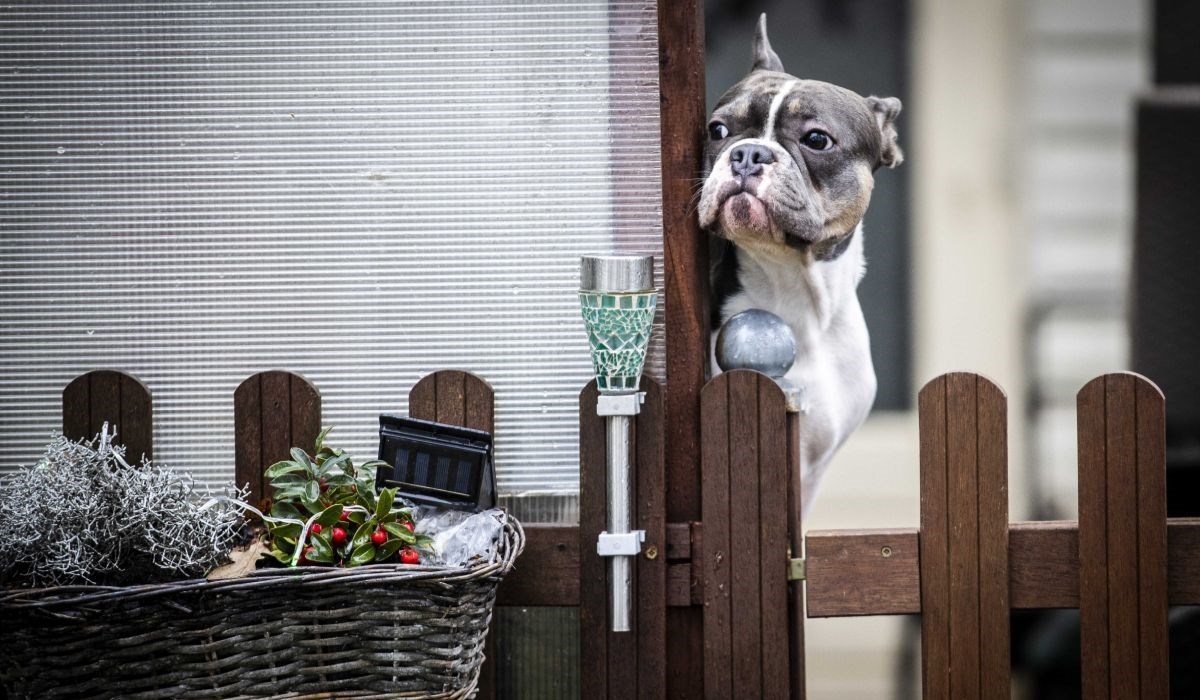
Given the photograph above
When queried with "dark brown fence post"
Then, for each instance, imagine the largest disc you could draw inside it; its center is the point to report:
(272, 412)
(456, 397)
(1122, 538)
(745, 483)
(101, 396)
(623, 664)
(964, 538)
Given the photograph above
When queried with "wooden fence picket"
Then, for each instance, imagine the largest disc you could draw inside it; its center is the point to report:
(119, 399)
(744, 463)
(273, 412)
(618, 664)
(964, 538)
(1122, 538)
(455, 397)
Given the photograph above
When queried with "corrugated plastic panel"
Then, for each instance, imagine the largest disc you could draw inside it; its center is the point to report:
(363, 192)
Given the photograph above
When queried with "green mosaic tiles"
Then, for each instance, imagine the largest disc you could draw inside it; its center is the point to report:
(618, 328)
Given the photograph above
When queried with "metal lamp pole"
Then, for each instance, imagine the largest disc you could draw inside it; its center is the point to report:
(618, 299)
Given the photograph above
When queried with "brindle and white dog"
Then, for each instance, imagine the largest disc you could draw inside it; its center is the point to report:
(790, 167)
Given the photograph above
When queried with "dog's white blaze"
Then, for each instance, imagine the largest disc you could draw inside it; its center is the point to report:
(776, 103)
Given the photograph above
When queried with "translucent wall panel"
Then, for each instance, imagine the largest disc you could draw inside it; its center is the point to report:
(362, 192)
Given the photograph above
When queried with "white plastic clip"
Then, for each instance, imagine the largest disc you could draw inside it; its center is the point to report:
(612, 544)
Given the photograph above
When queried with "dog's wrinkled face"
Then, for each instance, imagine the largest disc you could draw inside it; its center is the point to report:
(790, 162)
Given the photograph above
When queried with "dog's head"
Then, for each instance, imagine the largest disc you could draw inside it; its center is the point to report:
(791, 162)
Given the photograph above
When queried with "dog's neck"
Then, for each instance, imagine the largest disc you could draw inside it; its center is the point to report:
(809, 287)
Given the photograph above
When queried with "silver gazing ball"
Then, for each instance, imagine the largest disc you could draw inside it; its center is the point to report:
(758, 340)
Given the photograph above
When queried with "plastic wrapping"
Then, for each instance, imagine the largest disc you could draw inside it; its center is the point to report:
(459, 538)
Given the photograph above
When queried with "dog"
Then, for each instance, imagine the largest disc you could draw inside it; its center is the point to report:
(789, 169)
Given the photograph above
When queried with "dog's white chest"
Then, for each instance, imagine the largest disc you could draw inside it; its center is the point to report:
(833, 356)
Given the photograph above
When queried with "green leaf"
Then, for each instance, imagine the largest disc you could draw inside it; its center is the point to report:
(330, 515)
(285, 530)
(288, 494)
(362, 554)
(321, 544)
(320, 557)
(400, 531)
(302, 457)
(282, 556)
(281, 468)
(320, 442)
(388, 549)
(290, 480)
(312, 491)
(424, 541)
(384, 505)
(363, 534)
(285, 510)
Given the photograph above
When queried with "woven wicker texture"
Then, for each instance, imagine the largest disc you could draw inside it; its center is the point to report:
(384, 630)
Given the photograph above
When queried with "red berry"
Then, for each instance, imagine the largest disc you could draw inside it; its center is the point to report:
(345, 516)
(316, 528)
(410, 526)
(324, 484)
(379, 536)
(305, 554)
(409, 556)
(338, 536)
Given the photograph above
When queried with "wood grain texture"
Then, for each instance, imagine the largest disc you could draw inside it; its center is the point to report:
(934, 542)
(651, 515)
(119, 399)
(455, 397)
(992, 466)
(1123, 542)
(745, 543)
(795, 534)
(274, 411)
(714, 468)
(774, 468)
(857, 572)
(628, 664)
(593, 570)
(964, 535)
(1152, 546)
(547, 573)
(1093, 542)
(744, 555)
(848, 575)
(682, 122)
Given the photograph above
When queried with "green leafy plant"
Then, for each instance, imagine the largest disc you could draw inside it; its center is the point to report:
(325, 512)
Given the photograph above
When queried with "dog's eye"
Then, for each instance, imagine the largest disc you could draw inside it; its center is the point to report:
(818, 140)
(717, 131)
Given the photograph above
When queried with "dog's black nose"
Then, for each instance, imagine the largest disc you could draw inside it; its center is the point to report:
(749, 159)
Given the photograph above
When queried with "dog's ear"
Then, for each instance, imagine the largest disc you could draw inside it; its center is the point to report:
(886, 109)
(765, 57)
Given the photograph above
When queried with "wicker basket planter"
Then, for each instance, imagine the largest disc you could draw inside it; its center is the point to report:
(384, 630)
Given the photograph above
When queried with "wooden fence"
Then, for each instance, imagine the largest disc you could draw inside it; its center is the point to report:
(757, 575)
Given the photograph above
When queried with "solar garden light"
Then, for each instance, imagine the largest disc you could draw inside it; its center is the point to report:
(617, 296)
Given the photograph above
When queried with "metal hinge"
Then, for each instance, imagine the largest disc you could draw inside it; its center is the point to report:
(796, 569)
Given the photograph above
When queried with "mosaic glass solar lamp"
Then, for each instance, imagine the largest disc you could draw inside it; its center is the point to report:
(618, 299)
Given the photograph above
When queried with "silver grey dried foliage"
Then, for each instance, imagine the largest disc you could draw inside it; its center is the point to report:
(82, 515)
